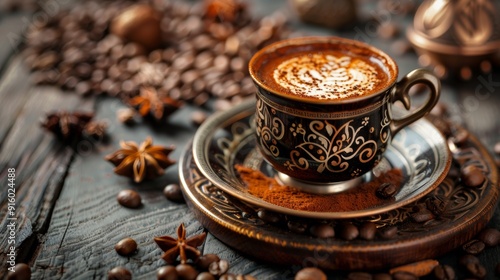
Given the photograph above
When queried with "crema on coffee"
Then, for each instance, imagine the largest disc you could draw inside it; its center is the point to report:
(324, 73)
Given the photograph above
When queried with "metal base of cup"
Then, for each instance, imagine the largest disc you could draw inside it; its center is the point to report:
(320, 188)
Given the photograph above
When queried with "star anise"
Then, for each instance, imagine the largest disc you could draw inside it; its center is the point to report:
(223, 10)
(182, 247)
(96, 130)
(150, 103)
(141, 162)
(67, 126)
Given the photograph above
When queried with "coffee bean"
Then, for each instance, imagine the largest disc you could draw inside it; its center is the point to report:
(474, 247)
(198, 117)
(297, 227)
(167, 273)
(382, 276)
(389, 232)
(490, 237)
(201, 99)
(268, 216)
(387, 190)
(237, 64)
(367, 230)
(468, 258)
(422, 216)
(204, 261)
(129, 199)
(119, 273)
(359, 276)
(205, 276)
(186, 272)
(222, 105)
(126, 246)
(436, 204)
(21, 271)
(404, 275)
(45, 61)
(70, 82)
(83, 88)
(310, 273)
(348, 231)
(221, 62)
(173, 192)
(444, 272)
(496, 148)
(322, 231)
(472, 176)
(476, 270)
(218, 268)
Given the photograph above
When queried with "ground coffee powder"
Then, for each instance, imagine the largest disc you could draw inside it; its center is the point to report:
(361, 197)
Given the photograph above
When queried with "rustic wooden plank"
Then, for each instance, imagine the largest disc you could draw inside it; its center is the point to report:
(13, 93)
(86, 221)
(39, 159)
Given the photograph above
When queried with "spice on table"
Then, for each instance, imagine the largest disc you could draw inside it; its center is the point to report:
(141, 162)
(180, 247)
(96, 130)
(151, 103)
(67, 126)
(361, 197)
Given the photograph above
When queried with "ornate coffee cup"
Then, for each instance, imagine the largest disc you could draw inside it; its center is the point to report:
(324, 112)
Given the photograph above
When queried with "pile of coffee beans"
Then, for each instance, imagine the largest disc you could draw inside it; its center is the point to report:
(207, 267)
(198, 57)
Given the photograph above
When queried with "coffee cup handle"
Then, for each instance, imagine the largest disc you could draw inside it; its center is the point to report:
(400, 92)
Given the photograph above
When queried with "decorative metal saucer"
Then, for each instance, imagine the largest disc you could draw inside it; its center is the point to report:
(236, 223)
(228, 138)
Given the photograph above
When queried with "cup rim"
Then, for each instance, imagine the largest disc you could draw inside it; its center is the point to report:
(323, 39)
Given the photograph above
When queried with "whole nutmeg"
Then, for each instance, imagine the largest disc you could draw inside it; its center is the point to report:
(140, 24)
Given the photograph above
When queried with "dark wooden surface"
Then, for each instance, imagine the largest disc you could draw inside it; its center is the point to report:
(68, 217)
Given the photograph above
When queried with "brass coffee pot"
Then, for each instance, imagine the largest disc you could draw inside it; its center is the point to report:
(457, 36)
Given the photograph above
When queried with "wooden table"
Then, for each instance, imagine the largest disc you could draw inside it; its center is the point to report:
(68, 219)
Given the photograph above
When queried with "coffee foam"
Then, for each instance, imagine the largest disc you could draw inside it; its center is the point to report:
(327, 76)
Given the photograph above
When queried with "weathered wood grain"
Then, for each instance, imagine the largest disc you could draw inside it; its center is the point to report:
(70, 222)
(39, 159)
